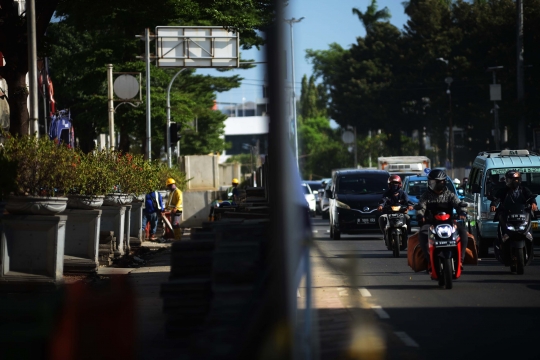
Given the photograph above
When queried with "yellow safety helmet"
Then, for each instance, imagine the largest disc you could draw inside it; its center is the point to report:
(235, 181)
(170, 181)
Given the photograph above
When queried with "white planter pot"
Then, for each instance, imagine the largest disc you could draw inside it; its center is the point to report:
(84, 202)
(117, 199)
(35, 205)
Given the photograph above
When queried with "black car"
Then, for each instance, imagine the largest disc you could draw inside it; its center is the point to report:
(354, 199)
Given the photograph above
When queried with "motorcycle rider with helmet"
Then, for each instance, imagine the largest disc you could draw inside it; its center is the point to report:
(393, 196)
(439, 196)
(514, 191)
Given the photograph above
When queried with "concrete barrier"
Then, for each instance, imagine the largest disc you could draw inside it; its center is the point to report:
(197, 207)
(135, 229)
(202, 170)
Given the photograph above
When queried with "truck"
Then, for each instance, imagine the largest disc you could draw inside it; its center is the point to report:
(404, 164)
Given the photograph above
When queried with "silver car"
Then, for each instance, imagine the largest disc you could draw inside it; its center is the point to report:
(323, 199)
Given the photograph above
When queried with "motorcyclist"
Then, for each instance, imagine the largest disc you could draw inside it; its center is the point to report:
(439, 197)
(514, 192)
(393, 196)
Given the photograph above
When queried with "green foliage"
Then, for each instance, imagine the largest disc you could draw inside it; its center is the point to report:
(42, 167)
(391, 79)
(321, 148)
(164, 173)
(92, 34)
(92, 173)
(312, 99)
(372, 15)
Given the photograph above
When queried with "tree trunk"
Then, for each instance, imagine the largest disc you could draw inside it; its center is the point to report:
(18, 96)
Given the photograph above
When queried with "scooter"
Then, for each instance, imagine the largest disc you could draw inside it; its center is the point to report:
(395, 231)
(444, 248)
(515, 248)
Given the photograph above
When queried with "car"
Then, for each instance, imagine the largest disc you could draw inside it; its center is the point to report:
(485, 177)
(310, 198)
(324, 200)
(354, 199)
(415, 186)
(315, 186)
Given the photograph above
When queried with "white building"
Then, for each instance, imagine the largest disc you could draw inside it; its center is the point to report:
(246, 126)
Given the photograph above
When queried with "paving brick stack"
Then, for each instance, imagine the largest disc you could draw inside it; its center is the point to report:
(187, 294)
(238, 267)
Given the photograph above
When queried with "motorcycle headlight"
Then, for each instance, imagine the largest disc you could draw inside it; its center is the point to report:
(395, 208)
(342, 205)
(444, 231)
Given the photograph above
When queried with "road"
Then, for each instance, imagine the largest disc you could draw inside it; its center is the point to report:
(489, 314)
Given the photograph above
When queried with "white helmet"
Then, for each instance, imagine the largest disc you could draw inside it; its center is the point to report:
(456, 181)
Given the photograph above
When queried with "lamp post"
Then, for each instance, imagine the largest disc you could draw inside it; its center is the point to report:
(168, 144)
(448, 80)
(495, 95)
(291, 22)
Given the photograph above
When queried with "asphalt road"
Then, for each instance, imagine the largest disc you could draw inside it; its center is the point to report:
(489, 314)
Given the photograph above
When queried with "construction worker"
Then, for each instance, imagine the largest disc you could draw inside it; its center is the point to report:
(232, 191)
(175, 207)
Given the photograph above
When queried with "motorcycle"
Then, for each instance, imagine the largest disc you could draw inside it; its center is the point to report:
(515, 248)
(444, 248)
(395, 231)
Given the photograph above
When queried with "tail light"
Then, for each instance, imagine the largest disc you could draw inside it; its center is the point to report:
(442, 216)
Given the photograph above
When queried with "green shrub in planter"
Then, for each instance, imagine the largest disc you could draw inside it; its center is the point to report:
(36, 167)
(93, 176)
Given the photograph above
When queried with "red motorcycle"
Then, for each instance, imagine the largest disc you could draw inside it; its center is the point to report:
(444, 248)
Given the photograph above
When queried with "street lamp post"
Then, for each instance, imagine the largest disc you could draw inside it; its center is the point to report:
(495, 95)
(448, 80)
(291, 22)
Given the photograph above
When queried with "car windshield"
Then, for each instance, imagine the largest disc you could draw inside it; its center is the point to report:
(306, 189)
(418, 187)
(315, 186)
(361, 184)
(530, 178)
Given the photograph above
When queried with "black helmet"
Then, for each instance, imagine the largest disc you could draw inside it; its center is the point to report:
(513, 179)
(437, 180)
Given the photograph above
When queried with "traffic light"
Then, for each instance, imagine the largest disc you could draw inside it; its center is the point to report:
(174, 130)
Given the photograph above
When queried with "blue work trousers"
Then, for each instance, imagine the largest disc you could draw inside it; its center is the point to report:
(151, 218)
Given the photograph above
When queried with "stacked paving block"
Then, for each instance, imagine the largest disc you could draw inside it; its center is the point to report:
(107, 243)
(187, 294)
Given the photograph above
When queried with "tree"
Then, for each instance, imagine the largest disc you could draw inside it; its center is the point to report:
(311, 104)
(92, 34)
(14, 47)
(372, 15)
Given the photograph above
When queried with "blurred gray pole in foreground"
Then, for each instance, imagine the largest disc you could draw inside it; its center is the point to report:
(284, 217)
(519, 70)
(32, 68)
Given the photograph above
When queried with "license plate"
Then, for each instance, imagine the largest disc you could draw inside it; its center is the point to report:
(535, 226)
(365, 220)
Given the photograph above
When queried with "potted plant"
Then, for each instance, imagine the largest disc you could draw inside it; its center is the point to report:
(92, 180)
(39, 173)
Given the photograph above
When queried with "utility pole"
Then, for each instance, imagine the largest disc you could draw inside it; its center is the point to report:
(148, 154)
(449, 80)
(168, 144)
(520, 88)
(291, 22)
(495, 95)
(110, 103)
(32, 68)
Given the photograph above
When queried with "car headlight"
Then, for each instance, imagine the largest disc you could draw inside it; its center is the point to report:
(511, 227)
(342, 205)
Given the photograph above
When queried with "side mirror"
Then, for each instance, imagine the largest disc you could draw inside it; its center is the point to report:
(417, 207)
(475, 188)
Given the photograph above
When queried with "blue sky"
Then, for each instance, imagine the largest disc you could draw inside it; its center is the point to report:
(325, 22)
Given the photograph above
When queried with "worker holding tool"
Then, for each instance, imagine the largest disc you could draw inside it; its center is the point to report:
(174, 205)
